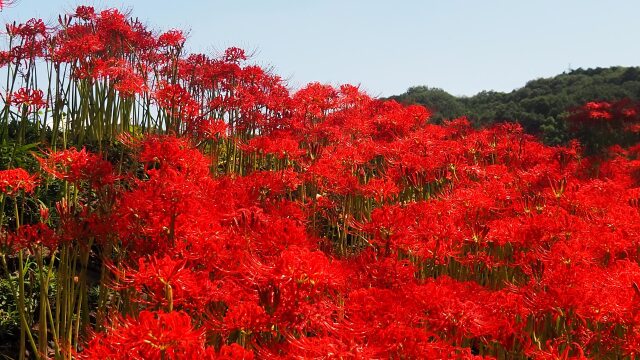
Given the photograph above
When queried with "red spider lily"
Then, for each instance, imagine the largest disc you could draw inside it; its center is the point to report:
(104, 35)
(380, 189)
(234, 55)
(15, 180)
(171, 207)
(246, 317)
(393, 120)
(177, 102)
(44, 213)
(30, 29)
(321, 222)
(234, 351)
(171, 38)
(624, 111)
(85, 13)
(330, 347)
(32, 41)
(29, 237)
(387, 272)
(168, 283)
(271, 185)
(280, 144)
(112, 26)
(598, 110)
(76, 166)
(293, 289)
(125, 80)
(314, 102)
(168, 153)
(213, 129)
(602, 124)
(152, 335)
(172, 96)
(30, 98)
(76, 222)
(78, 42)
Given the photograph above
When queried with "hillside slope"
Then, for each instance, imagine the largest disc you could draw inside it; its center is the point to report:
(540, 106)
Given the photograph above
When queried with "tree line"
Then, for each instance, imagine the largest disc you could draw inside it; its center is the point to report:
(542, 106)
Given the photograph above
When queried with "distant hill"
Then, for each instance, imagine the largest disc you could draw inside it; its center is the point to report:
(540, 106)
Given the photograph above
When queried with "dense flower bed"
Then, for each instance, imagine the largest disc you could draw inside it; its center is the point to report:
(219, 215)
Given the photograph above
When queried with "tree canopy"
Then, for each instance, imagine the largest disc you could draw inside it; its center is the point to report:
(541, 106)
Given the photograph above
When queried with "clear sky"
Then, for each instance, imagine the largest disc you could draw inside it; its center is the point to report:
(387, 46)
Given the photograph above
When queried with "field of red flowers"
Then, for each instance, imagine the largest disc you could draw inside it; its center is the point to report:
(163, 205)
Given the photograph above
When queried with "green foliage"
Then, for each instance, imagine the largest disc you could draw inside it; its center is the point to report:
(443, 104)
(9, 316)
(13, 155)
(9, 319)
(540, 106)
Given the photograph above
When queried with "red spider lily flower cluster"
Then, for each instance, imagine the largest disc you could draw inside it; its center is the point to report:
(622, 111)
(14, 180)
(153, 335)
(317, 223)
(438, 241)
(32, 99)
(74, 166)
(605, 123)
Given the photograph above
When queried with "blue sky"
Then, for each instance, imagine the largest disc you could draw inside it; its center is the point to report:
(387, 46)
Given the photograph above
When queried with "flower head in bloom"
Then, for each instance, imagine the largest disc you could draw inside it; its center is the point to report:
(73, 166)
(153, 335)
(246, 316)
(14, 180)
(156, 276)
(170, 153)
(29, 236)
(234, 55)
(212, 129)
(171, 38)
(177, 101)
(31, 98)
(30, 29)
(85, 12)
(598, 110)
(235, 351)
(125, 79)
